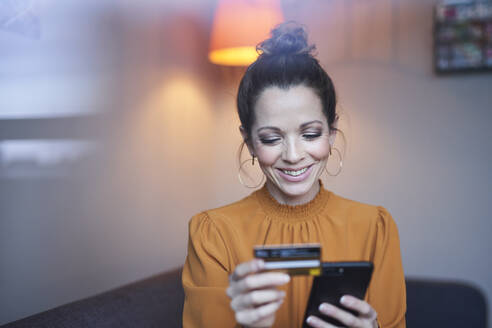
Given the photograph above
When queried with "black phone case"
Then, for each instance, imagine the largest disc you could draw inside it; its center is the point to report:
(337, 279)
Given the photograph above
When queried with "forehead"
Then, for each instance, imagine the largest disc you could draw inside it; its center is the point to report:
(286, 108)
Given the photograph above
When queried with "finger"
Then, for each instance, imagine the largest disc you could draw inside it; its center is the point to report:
(348, 319)
(261, 280)
(255, 298)
(257, 281)
(246, 268)
(316, 322)
(250, 316)
(364, 309)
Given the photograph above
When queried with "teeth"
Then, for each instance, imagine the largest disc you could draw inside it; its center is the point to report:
(295, 173)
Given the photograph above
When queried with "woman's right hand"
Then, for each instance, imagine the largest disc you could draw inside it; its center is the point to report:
(254, 296)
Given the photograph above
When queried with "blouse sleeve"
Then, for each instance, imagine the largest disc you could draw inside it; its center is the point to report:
(205, 277)
(387, 293)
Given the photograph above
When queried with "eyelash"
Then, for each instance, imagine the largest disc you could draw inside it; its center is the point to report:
(312, 136)
(307, 136)
(269, 141)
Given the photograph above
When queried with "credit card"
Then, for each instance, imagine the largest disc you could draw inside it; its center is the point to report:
(293, 259)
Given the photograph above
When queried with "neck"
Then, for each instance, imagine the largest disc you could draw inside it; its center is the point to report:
(283, 198)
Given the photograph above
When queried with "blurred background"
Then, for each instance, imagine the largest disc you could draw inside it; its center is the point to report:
(115, 128)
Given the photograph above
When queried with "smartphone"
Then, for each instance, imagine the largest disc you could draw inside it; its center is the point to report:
(337, 279)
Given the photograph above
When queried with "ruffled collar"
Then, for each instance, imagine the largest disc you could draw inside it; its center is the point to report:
(301, 212)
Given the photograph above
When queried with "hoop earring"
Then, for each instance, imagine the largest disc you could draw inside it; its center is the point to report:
(339, 166)
(241, 180)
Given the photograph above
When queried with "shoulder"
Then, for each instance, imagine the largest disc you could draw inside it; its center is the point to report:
(226, 214)
(361, 213)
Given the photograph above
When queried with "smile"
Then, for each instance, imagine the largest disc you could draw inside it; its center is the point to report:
(295, 173)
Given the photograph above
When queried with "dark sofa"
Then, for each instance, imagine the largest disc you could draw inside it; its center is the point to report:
(157, 302)
(153, 302)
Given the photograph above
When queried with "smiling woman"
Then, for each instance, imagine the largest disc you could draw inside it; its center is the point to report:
(287, 107)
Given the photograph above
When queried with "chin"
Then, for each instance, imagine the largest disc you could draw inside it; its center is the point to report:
(294, 189)
(297, 188)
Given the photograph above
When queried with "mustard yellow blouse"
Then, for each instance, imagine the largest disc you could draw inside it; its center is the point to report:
(221, 238)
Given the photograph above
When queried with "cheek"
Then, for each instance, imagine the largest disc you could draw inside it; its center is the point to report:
(268, 155)
(319, 150)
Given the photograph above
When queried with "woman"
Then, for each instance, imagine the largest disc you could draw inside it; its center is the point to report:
(286, 104)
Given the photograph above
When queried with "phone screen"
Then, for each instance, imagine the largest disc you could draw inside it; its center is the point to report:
(337, 279)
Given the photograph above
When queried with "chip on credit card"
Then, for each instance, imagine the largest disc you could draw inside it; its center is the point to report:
(293, 259)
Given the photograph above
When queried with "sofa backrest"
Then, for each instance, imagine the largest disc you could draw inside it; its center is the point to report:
(153, 302)
(158, 302)
(450, 304)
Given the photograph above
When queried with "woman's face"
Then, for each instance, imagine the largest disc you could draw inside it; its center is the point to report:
(291, 140)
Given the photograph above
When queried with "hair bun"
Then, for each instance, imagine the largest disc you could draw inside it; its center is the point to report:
(287, 38)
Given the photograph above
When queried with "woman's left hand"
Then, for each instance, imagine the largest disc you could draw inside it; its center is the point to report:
(366, 319)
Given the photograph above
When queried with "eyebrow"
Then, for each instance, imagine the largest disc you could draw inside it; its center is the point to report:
(310, 122)
(277, 129)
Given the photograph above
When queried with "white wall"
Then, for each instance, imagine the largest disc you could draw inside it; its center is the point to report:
(417, 144)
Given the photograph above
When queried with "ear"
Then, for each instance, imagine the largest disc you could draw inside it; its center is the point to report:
(246, 139)
(333, 132)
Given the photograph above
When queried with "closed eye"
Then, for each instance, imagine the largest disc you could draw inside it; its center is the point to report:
(311, 135)
(269, 141)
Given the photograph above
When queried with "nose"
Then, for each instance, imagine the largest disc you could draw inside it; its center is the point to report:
(292, 152)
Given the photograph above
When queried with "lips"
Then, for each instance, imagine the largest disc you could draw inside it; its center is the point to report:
(296, 174)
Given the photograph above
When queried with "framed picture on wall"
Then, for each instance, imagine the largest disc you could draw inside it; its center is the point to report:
(463, 37)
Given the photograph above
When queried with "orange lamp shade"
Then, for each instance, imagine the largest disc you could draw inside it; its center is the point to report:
(239, 25)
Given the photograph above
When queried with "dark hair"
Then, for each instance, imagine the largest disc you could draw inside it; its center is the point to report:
(285, 60)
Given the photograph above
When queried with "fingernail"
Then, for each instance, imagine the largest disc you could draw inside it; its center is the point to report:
(310, 320)
(325, 308)
(345, 300)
